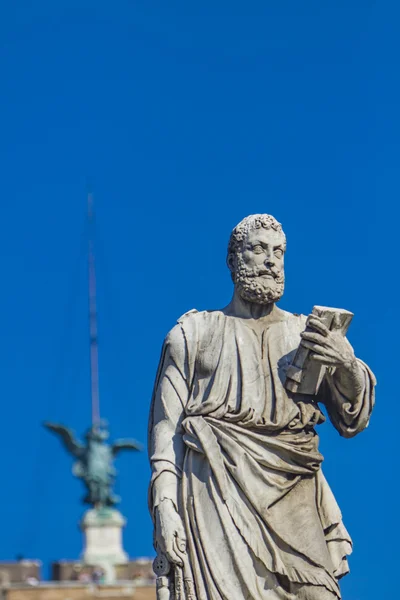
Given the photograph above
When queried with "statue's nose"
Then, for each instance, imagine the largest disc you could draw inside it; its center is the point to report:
(269, 259)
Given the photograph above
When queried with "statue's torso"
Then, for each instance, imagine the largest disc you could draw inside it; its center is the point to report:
(237, 371)
(98, 461)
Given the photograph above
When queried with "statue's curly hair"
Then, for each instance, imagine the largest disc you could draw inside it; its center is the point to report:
(249, 223)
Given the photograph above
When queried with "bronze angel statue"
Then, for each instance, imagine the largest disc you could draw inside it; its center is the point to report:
(95, 460)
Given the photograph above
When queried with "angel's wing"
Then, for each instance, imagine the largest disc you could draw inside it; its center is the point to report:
(67, 437)
(124, 444)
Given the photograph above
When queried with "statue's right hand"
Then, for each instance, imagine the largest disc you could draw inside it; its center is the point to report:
(170, 532)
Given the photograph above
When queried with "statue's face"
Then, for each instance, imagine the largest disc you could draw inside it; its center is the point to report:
(258, 270)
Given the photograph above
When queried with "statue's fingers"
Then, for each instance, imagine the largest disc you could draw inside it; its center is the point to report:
(180, 545)
(180, 532)
(328, 344)
(313, 346)
(172, 556)
(317, 323)
(319, 349)
(313, 337)
(326, 360)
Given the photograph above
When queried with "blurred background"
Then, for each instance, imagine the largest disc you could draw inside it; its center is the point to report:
(182, 118)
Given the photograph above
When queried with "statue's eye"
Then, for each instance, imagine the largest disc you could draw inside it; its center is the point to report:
(278, 252)
(258, 249)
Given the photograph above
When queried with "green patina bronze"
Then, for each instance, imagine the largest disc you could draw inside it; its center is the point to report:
(95, 461)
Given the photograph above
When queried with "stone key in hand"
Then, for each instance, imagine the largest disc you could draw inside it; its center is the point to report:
(161, 568)
(305, 376)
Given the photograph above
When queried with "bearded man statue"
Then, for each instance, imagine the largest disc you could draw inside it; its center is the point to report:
(237, 494)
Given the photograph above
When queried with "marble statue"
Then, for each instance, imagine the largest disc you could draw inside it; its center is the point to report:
(95, 461)
(240, 504)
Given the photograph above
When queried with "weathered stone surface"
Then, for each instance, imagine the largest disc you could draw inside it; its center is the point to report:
(240, 505)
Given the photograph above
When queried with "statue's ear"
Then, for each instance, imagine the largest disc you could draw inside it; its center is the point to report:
(231, 262)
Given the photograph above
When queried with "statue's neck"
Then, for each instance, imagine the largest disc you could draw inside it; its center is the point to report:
(243, 309)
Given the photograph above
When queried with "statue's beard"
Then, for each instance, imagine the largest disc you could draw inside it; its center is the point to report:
(253, 287)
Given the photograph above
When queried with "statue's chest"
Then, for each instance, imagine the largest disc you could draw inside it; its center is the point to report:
(251, 353)
(99, 456)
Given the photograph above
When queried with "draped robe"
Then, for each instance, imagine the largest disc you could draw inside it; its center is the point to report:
(238, 456)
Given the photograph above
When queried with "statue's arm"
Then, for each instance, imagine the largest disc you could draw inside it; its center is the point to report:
(349, 397)
(348, 390)
(166, 446)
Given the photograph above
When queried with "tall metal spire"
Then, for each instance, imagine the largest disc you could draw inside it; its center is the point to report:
(94, 348)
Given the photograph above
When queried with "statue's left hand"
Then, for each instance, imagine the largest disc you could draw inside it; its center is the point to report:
(329, 348)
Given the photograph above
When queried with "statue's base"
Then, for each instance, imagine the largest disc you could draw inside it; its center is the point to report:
(102, 530)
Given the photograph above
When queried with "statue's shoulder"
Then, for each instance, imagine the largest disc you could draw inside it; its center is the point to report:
(189, 313)
(189, 328)
(179, 333)
(200, 316)
(194, 323)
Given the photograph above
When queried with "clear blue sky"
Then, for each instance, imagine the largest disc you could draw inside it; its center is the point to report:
(185, 117)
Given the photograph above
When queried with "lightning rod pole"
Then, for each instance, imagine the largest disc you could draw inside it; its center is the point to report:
(94, 346)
